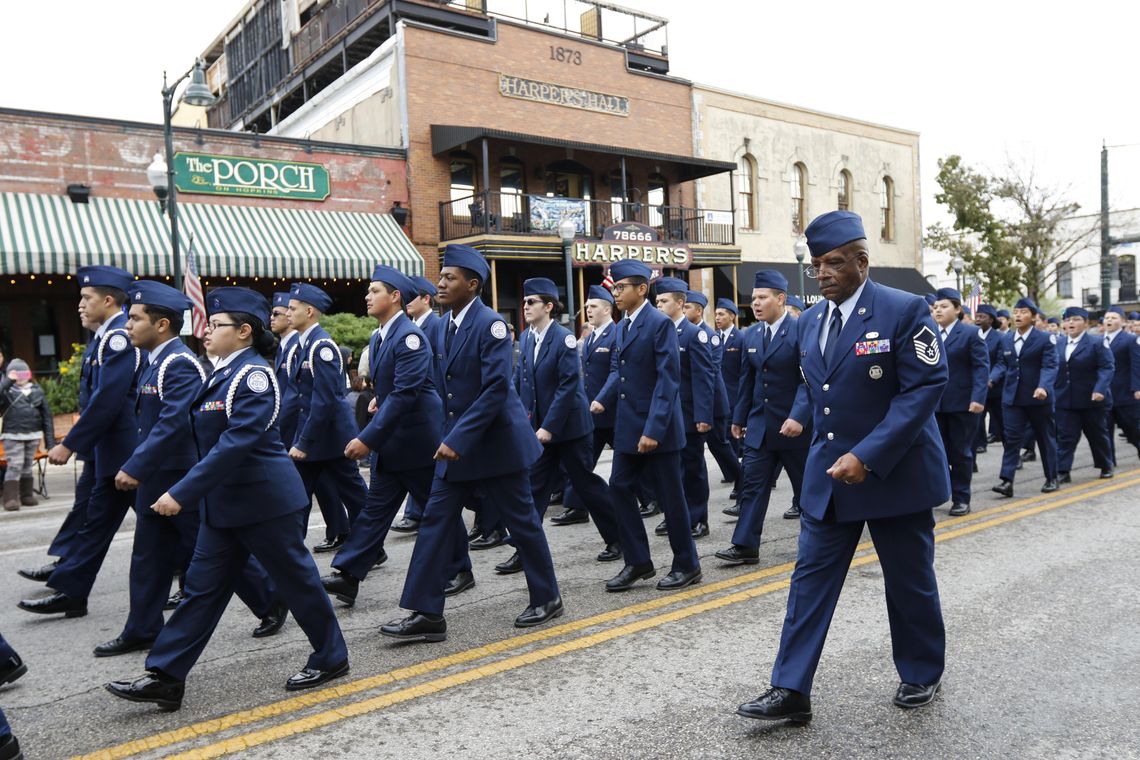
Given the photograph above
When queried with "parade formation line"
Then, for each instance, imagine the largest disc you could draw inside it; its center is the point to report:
(945, 530)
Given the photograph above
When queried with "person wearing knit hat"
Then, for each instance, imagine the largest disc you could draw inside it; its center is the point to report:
(25, 420)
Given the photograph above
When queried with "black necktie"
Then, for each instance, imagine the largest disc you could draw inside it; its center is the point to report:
(767, 337)
(625, 323)
(833, 331)
(452, 328)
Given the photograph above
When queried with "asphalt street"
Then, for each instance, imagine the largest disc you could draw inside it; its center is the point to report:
(1038, 593)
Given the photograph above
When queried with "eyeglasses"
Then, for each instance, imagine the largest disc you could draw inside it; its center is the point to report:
(814, 271)
(278, 313)
(532, 301)
(619, 287)
(211, 326)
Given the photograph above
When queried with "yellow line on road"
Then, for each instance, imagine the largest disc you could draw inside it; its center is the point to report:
(945, 529)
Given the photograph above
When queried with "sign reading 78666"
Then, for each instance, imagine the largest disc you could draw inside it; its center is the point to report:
(235, 175)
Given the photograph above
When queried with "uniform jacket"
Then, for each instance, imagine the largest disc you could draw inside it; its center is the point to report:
(325, 424)
(644, 382)
(405, 431)
(721, 408)
(877, 401)
(287, 359)
(1020, 375)
(732, 364)
(1089, 370)
(596, 357)
(772, 390)
(1126, 378)
(484, 421)
(432, 329)
(698, 375)
(551, 388)
(243, 475)
(106, 425)
(993, 350)
(968, 363)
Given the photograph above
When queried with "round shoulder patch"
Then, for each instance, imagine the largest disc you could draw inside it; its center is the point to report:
(117, 342)
(570, 342)
(499, 329)
(327, 354)
(1138, 338)
(412, 342)
(716, 340)
(703, 337)
(257, 381)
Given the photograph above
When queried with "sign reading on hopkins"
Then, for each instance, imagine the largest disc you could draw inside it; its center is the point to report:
(234, 175)
(630, 240)
(559, 95)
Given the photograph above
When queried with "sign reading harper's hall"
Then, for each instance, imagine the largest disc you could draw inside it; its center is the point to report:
(560, 95)
(235, 175)
(631, 240)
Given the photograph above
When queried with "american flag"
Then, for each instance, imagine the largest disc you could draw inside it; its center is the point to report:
(607, 281)
(193, 287)
(974, 298)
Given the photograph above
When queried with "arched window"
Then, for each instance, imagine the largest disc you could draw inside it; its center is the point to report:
(512, 187)
(746, 215)
(845, 188)
(799, 206)
(887, 209)
(462, 183)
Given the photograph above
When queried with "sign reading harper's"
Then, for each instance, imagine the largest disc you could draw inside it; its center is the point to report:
(559, 95)
(234, 175)
(630, 240)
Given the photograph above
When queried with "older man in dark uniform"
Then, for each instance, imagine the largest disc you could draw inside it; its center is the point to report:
(874, 371)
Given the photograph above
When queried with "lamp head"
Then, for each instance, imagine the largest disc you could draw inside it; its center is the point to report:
(198, 92)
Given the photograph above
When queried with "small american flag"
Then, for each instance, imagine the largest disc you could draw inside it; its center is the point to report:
(607, 281)
(193, 287)
(974, 299)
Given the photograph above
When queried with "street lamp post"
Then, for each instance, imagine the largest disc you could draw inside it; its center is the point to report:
(160, 173)
(801, 251)
(957, 264)
(567, 230)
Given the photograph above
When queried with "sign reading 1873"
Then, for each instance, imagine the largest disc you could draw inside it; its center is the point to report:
(235, 175)
(560, 95)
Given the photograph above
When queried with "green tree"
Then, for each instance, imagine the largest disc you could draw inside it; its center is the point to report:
(349, 330)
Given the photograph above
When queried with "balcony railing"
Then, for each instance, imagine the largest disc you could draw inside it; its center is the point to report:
(508, 213)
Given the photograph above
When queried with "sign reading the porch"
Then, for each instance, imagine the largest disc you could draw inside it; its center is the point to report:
(235, 175)
(630, 240)
(560, 95)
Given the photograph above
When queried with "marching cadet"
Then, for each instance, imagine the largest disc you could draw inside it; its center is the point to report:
(771, 415)
(548, 379)
(1026, 371)
(795, 306)
(11, 668)
(731, 342)
(697, 390)
(874, 371)
(986, 320)
(963, 399)
(162, 545)
(286, 359)
(1085, 369)
(325, 424)
(403, 433)
(717, 439)
(253, 503)
(487, 447)
(106, 428)
(649, 431)
(1003, 319)
(1125, 410)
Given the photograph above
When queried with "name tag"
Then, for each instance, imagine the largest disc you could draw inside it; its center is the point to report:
(868, 347)
(1008, 353)
(682, 348)
(733, 349)
(213, 406)
(601, 350)
(304, 365)
(752, 350)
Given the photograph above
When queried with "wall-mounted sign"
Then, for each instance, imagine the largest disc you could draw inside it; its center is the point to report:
(547, 213)
(234, 175)
(630, 240)
(559, 95)
(718, 217)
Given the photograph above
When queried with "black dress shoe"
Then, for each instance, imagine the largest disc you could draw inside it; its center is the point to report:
(119, 645)
(489, 541)
(462, 581)
(629, 575)
(38, 574)
(726, 481)
(154, 688)
(980, 449)
(571, 517)
(307, 678)
(1029, 455)
(792, 513)
(611, 553)
(406, 525)
(10, 748)
(381, 558)
(1107, 474)
(732, 510)
(1050, 486)
(778, 704)
(1020, 465)
(738, 555)
(974, 466)
(555, 499)
(733, 495)
(1005, 488)
(341, 586)
(533, 616)
(662, 529)
(649, 508)
(912, 695)
(993, 438)
(419, 626)
(54, 604)
(476, 529)
(329, 545)
(511, 566)
(958, 510)
(679, 579)
(1064, 477)
(11, 669)
(273, 621)
(700, 530)
(174, 600)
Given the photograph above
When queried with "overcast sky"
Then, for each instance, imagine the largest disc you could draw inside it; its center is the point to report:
(982, 79)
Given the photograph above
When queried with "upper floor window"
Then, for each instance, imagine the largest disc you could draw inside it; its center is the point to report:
(799, 205)
(1064, 279)
(746, 198)
(512, 186)
(843, 202)
(462, 182)
(887, 209)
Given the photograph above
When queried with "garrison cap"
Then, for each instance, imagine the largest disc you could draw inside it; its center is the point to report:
(310, 294)
(1026, 303)
(947, 294)
(1003, 313)
(540, 286)
(795, 302)
(396, 280)
(233, 299)
(619, 270)
(727, 304)
(1076, 311)
(833, 230)
(695, 296)
(987, 309)
(424, 286)
(930, 298)
(281, 299)
(601, 294)
(671, 285)
(102, 276)
(770, 278)
(153, 293)
(1114, 310)
(466, 257)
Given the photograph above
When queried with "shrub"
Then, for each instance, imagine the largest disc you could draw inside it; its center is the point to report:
(62, 392)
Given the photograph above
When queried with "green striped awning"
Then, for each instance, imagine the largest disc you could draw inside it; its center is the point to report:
(48, 234)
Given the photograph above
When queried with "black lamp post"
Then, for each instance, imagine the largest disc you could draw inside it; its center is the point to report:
(957, 265)
(801, 251)
(567, 230)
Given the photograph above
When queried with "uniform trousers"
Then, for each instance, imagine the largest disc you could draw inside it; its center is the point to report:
(1128, 419)
(664, 470)
(1093, 423)
(1040, 420)
(106, 508)
(6, 653)
(758, 475)
(576, 459)
(342, 477)
(601, 437)
(727, 458)
(959, 433)
(65, 537)
(695, 474)
(219, 558)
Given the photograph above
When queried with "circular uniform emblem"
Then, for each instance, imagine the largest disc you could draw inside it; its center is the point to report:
(716, 340)
(570, 342)
(499, 330)
(412, 342)
(703, 337)
(258, 382)
(327, 354)
(117, 342)
(875, 372)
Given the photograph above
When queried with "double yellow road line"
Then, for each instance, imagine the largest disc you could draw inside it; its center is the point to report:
(480, 661)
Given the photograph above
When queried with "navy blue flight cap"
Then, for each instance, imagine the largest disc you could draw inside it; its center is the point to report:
(619, 270)
(424, 286)
(727, 304)
(1026, 303)
(671, 285)
(153, 293)
(1076, 311)
(947, 294)
(1114, 310)
(770, 278)
(468, 258)
(833, 230)
(310, 294)
(930, 298)
(101, 276)
(540, 286)
(1003, 313)
(987, 309)
(281, 299)
(795, 302)
(695, 296)
(396, 280)
(1053, 321)
(1134, 315)
(232, 299)
(966, 309)
(600, 293)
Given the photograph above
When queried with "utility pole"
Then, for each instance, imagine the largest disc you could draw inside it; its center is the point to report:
(1109, 266)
